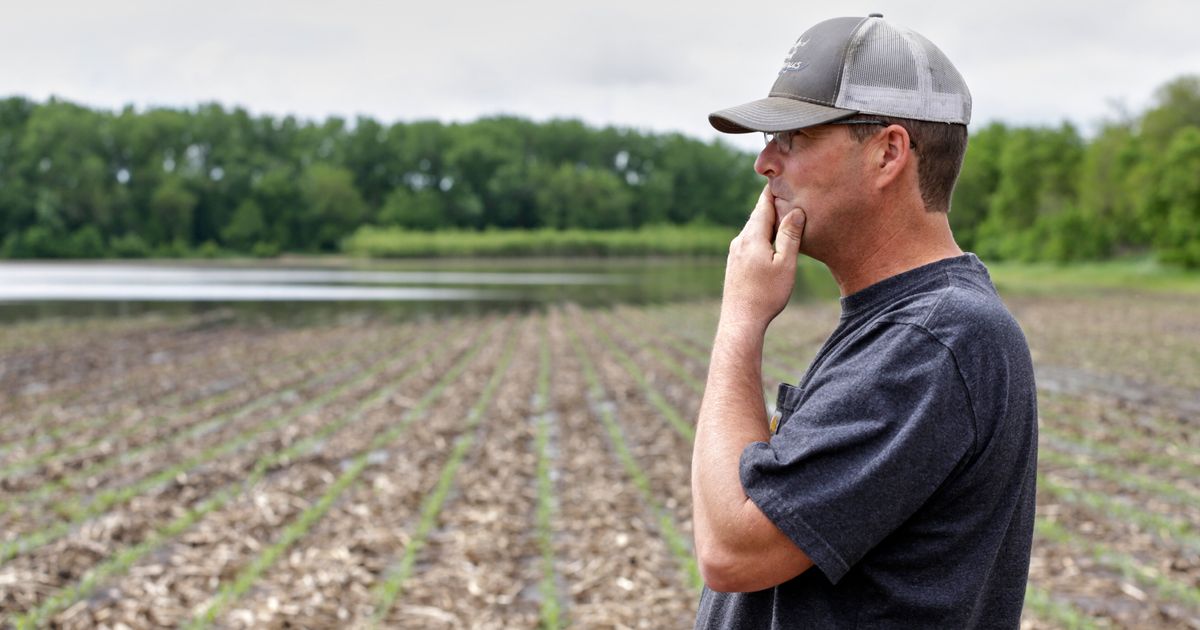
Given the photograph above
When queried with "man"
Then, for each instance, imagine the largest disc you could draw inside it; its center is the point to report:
(894, 485)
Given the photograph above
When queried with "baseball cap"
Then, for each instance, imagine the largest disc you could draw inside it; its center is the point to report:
(855, 65)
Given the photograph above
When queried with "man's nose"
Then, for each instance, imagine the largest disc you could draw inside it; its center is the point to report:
(767, 162)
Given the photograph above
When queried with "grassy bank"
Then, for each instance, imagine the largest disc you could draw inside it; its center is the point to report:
(1143, 274)
(659, 240)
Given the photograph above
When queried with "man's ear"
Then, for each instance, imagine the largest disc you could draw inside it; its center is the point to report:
(893, 152)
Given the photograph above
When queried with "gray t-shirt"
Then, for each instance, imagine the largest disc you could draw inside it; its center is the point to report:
(904, 465)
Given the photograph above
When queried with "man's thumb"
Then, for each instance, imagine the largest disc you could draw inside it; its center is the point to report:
(791, 230)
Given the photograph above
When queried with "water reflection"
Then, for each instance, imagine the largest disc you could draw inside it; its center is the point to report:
(216, 292)
(68, 275)
(314, 290)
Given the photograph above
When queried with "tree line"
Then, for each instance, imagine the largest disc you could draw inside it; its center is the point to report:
(1049, 194)
(76, 182)
(81, 182)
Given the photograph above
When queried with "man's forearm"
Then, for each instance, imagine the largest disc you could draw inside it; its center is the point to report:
(731, 417)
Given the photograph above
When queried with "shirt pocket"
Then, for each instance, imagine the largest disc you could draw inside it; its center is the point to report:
(786, 400)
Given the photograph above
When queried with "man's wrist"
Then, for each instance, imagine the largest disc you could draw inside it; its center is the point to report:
(740, 325)
(740, 332)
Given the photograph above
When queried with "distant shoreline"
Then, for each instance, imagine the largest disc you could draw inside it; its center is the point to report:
(671, 241)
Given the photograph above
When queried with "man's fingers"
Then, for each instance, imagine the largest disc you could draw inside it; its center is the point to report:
(791, 232)
(761, 223)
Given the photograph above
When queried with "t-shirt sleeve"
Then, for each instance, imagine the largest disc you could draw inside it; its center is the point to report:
(880, 425)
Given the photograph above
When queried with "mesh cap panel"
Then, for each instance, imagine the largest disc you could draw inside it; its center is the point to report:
(892, 71)
(880, 58)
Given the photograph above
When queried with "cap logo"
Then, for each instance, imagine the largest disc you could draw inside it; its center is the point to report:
(792, 63)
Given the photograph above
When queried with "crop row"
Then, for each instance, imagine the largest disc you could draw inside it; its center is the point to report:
(235, 490)
(94, 444)
(353, 469)
(152, 385)
(137, 470)
(621, 549)
(548, 590)
(94, 368)
(1144, 338)
(55, 436)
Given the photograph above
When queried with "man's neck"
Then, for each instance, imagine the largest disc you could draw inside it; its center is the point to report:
(894, 253)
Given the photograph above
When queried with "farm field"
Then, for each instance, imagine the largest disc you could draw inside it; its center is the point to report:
(512, 470)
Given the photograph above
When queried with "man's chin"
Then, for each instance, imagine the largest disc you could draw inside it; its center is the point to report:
(782, 208)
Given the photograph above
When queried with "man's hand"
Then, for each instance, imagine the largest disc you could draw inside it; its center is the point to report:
(758, 275)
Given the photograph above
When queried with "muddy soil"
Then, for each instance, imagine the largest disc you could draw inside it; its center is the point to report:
(150, 466)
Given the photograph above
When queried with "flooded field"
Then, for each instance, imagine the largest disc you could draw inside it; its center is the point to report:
(510, 469)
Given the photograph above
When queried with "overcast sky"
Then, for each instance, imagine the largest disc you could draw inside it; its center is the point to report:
(653, 65)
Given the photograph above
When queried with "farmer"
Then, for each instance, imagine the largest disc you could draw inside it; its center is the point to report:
(894, 484)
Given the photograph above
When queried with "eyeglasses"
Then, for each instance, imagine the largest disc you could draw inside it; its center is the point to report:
(783, 139)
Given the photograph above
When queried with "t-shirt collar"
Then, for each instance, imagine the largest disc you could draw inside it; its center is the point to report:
(904, 282)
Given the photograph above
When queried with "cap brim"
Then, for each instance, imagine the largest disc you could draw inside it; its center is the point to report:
(774, 113)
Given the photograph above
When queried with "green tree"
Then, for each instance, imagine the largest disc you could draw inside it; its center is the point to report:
(172, 208)
(473, 156)
(277, 192)
(38, 241)
(1108, 196)
(1176, 105)
(581, 197)
(86, 242)
(333, 207)
(1038, 174)
(709, 182)
(130, 246)
(146, 147)
(64, 158)
(16, 207)
(653, 196)
(246, 228)
(514, 188)
(977, 182)
(1178, 195)
(419, 210)
(367, 153)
